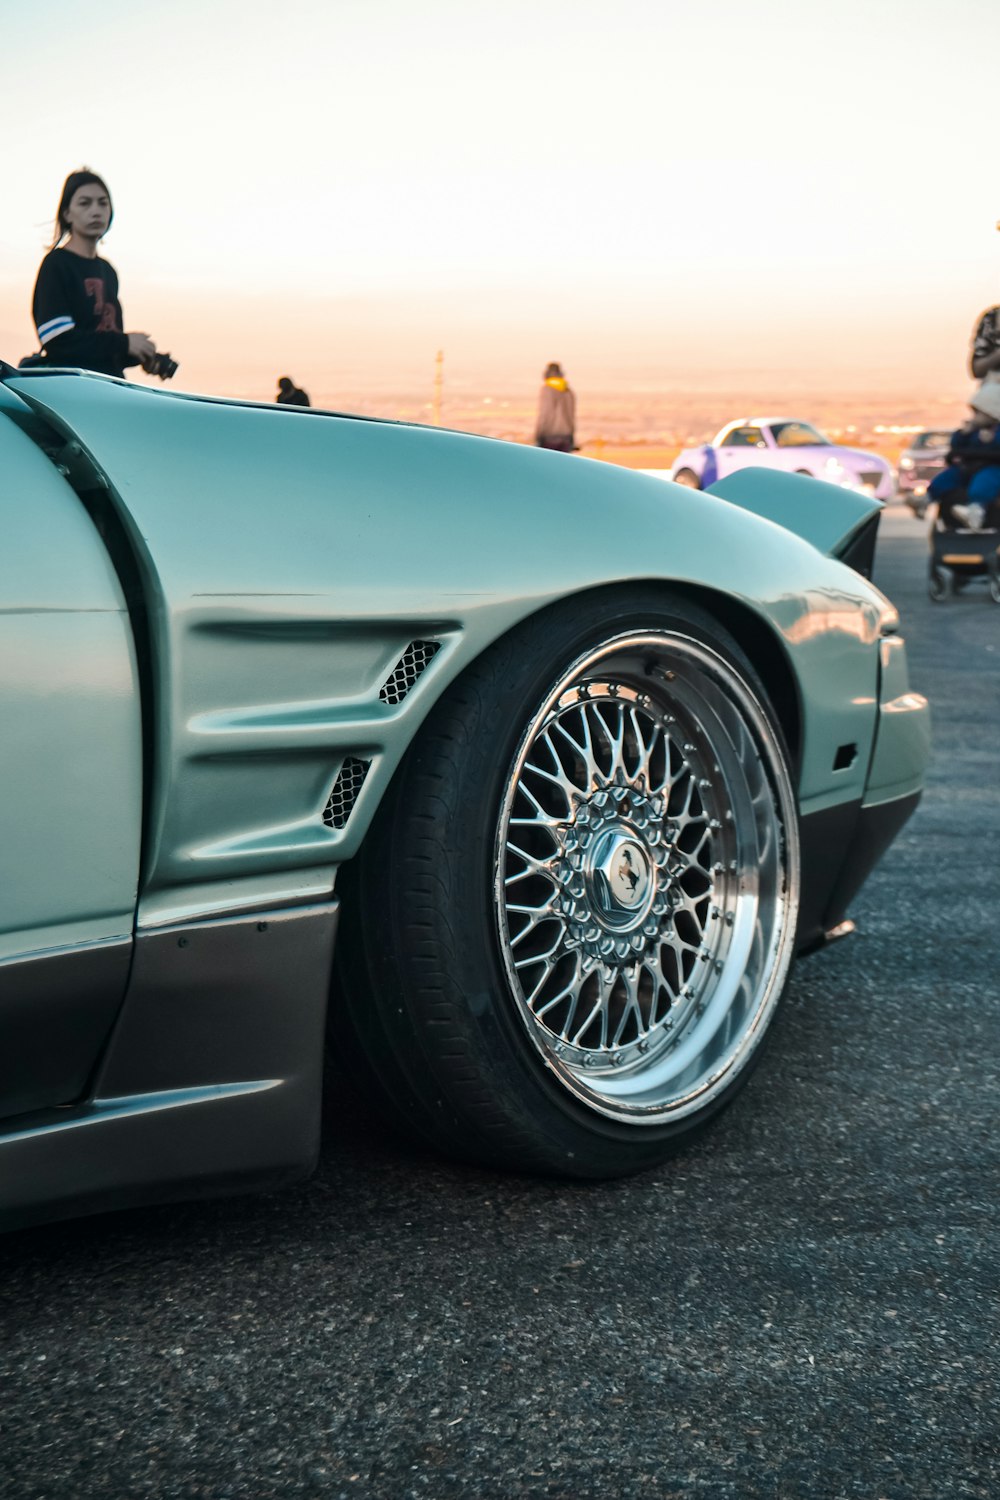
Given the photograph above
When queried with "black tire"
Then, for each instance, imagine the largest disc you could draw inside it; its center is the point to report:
(688, 478)
(673, 878)
(940, 584)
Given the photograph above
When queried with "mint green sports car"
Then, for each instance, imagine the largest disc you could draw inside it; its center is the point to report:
(518, 779)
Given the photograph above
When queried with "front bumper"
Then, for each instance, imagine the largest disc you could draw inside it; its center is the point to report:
(841, 845)
(903, 734)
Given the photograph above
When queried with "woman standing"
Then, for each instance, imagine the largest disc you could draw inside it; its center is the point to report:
(75, 306)
(556, 421)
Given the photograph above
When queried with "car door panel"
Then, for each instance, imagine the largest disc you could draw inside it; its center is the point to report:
(70, 783)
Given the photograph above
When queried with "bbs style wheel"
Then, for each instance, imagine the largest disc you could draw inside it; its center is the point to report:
(593, 856)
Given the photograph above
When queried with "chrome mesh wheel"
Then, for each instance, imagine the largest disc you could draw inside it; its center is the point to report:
(646, 876)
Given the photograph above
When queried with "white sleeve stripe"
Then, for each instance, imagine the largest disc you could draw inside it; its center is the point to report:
(54, 327)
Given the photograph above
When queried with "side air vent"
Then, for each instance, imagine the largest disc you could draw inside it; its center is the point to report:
(406, 671)
(345, 791)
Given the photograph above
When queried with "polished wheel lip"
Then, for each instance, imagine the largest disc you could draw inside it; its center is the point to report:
(669, 1064)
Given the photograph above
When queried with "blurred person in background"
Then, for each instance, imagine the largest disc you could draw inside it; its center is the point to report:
(75, 304)
(984, 360)
(967, 490)
(556, 422)
(289, 394)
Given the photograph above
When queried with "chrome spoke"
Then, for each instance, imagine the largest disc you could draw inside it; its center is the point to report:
(536, 956)
(533, 865)
(585, 750)
(631, 1010)
(598, 1012)
(567, 990)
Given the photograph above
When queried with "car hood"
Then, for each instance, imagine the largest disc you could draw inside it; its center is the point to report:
(84, 402)
(827, 515)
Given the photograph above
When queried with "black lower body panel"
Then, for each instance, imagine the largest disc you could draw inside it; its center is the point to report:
(840, 848)
(57, 1009)
(211, 1082)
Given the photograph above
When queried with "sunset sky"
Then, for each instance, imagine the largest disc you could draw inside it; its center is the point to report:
(652, 192)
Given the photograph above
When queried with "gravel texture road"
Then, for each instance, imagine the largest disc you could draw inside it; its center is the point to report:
(804, 1305)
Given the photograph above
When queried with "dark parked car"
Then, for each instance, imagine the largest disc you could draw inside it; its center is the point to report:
(918, 464)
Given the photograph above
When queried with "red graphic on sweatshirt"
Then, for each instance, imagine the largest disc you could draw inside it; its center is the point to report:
(105, 312)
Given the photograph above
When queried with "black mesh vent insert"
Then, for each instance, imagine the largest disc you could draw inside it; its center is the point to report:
(406, 671)
(345, 791)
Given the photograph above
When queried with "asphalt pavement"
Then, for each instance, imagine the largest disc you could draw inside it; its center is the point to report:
(804, 1305)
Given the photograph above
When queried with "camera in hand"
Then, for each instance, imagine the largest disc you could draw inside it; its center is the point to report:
(162, 365)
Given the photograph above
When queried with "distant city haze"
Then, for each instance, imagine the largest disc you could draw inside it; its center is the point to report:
(700, 212)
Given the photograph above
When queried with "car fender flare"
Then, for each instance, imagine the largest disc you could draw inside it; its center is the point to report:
(328, 546)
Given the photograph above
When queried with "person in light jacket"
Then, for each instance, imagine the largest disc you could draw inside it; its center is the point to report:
(556, 421)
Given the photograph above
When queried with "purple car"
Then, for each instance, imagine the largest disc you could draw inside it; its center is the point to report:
(783, 443)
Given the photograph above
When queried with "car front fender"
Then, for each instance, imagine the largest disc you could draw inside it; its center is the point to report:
(293, 563)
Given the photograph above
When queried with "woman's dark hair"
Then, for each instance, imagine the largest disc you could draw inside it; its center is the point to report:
(73, 183)
(552, 371)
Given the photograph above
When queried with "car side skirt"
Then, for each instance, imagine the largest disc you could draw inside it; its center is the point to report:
(57, 1009)
(211, 1083)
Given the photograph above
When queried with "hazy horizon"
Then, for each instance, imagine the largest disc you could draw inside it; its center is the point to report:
(658, 197)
